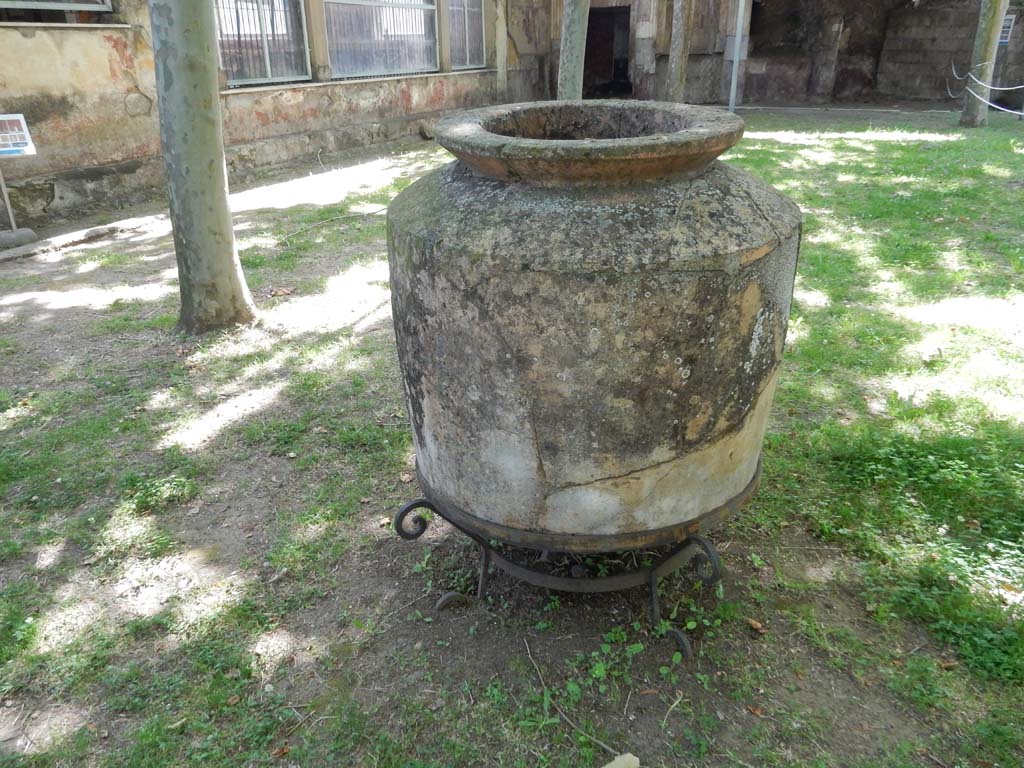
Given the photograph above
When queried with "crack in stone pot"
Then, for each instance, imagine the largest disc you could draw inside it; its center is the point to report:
(590, 312)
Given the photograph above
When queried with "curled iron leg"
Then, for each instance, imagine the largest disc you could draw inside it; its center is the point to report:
(706, 563)
(693, 550)
(419, 522)
(450, 599)
(676, 635)
(682, 642)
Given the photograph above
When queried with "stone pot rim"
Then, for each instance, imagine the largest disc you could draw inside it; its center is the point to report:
(707, 132)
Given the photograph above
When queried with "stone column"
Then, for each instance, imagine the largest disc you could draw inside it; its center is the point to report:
(316, 38)
(679, 49)
(642, 49)
(501, 47)
(727, 28)
(444, 37)
(825, 59)
(575, 17)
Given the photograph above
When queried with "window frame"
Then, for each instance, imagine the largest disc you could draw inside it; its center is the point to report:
(419, 6)
(103, 6)
(1007, 29)
(270, 80)
(483, 37)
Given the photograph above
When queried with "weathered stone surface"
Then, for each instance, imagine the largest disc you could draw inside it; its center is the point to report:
(590, 358)
(137, 104)
(13, 238)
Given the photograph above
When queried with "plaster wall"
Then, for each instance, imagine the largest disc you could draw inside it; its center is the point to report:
(88, 93)
(277, 124)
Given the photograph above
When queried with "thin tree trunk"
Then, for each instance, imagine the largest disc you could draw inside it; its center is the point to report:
(575, 16)
(679, 49)
(983, 60)
(213, 290)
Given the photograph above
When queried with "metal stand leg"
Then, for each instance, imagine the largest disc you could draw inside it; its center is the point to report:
(694, 551)
(655, 600)
(681, 640)
(485, 571)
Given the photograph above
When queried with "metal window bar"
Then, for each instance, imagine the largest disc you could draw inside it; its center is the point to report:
(57, 5)
(1006, 30)
(466, 22)
(377, 38)
(262, 41)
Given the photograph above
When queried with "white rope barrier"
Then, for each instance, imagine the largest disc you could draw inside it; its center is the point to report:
(952, 65)
(995, 87)
(970, 76)
(994, 106)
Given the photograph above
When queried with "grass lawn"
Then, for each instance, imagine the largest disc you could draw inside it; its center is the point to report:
(196, 567)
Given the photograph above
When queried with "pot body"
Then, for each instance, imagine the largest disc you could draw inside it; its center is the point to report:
(590, 367)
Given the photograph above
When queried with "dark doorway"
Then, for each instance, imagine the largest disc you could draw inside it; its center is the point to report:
(606, 65)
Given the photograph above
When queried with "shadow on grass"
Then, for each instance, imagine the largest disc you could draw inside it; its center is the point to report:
(133, 594)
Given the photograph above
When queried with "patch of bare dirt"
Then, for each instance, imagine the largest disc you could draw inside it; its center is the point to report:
(375, 630)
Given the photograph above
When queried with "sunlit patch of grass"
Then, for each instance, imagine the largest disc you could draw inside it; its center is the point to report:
(303, 229)
(886, 439)
(922, 487)
(165, 321)
(93, 259)
(131, 527)
(17, 619)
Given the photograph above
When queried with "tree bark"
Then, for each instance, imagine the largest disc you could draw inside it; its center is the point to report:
(213, 290)
(983, 60)
(679, 49)
(575, 16)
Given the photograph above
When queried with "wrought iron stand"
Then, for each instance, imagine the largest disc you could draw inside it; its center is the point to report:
(694, 551)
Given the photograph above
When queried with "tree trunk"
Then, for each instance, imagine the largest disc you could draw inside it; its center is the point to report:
(983, 61)
(575, 16)
(679, 49)
(213, 290)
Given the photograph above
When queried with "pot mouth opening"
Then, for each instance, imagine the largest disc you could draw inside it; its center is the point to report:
(555, 143)
(587, 121)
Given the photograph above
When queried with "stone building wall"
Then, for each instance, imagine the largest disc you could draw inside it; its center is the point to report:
(708, 71)
(1009, 69)
(815, 50)
(922, 43)
(88, 93)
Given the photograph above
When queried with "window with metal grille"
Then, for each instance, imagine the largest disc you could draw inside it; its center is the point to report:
(57, 5)
(466, 24)
(367, 38)
(1007, 29)
(262, 41)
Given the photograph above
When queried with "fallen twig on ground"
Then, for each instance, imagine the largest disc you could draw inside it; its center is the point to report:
(561, 712)
(374, 212)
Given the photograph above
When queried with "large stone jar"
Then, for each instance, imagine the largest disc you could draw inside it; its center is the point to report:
(590, 313)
